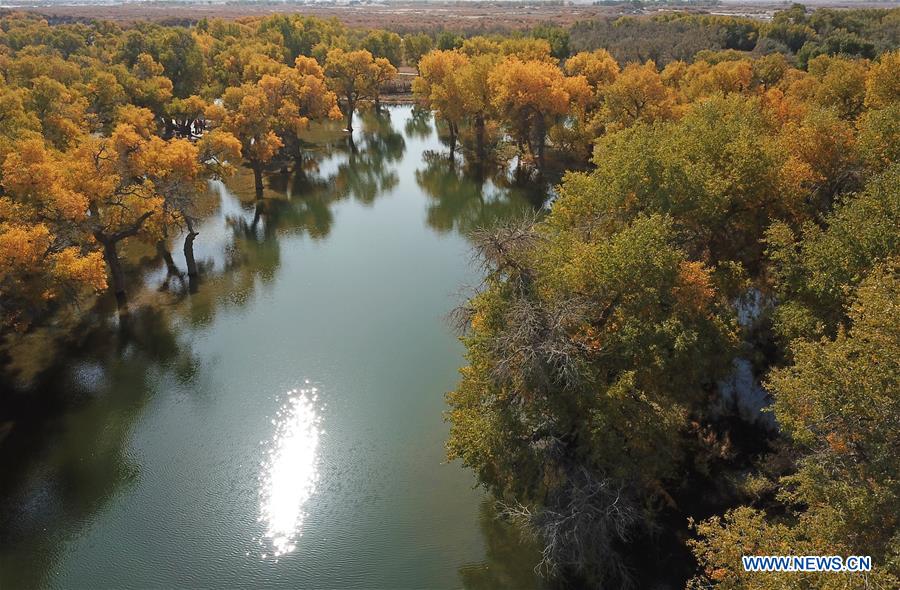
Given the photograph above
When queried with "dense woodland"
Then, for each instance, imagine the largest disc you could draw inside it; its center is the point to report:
(733, 200)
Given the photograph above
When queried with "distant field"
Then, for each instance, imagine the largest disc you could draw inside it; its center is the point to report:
(399, 16)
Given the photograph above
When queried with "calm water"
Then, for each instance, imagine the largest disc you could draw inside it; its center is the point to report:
(282, 426)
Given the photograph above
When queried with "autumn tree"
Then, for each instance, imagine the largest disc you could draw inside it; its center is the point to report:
(438, 87)
(15, 120)
(254, 113)
(476, 96)
(530, 96)
(600, 70)
(60, 110)
(416, 45)
(308, 89)
(716, 172)
(637, 94)
(354, 76)
(598, 67)
(816, 271)
(45, 259)
(837, 403)
(105, 95)
(576, 386)
(882, 85)
(272, 112)
(179, 170)
(146, 84)
(839, 83)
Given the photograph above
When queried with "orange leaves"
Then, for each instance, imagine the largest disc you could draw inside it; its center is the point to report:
(88, 270)
(139, 118)
(308, 66)
(522, 86)
(439, 83)
(34, 177)
(32, 273)
(702, 79)
(819, 149)
(598, 67)
(22, 247)
(280, 105)
(693, 288)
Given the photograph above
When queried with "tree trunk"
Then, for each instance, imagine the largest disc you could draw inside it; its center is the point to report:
(452, 127)
(164, 253)
(109, 242)
(541, 142)
(351, 105)
(115, 272)
(257, 215)
(479, 136)
(298, 158)
(258, 179)
(189, 250)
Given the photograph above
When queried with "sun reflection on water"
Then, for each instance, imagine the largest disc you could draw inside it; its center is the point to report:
(290, 471)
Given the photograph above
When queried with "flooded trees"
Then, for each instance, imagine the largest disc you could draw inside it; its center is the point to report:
(265, 114)
(530, 96)
(356, 76)
(437, 85)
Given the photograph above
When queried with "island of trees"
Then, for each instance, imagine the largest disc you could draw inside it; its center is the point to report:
(732, 203)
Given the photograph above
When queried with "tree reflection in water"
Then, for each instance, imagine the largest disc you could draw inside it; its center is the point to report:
(78, 424)
(295, 203)
(509, 556)
(463, 201)
(419, 123)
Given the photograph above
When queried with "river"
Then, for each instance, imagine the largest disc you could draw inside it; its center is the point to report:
(282, 425)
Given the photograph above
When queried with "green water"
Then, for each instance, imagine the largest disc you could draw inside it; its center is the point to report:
(281, 426)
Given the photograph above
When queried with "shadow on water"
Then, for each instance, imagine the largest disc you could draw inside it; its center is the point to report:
(509, 556)
(68, 453)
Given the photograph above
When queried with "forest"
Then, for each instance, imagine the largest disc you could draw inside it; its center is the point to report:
(726, 203)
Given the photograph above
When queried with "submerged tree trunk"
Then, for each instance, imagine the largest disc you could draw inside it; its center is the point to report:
(189, 249)
(541, 142)
(453, 132)
(479, 136)
(164, 253)
(116, 274)
(257, 179)
(351, 105)
(110, 255)
(298, 158)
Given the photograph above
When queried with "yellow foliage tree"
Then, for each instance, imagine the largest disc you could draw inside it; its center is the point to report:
(638, 94)
(530, 95)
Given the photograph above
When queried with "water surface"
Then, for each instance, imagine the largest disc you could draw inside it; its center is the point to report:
(282, 425)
